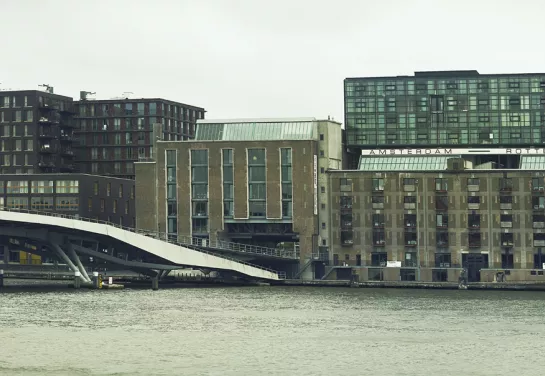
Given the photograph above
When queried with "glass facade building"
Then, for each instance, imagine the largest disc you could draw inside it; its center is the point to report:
(462, 108)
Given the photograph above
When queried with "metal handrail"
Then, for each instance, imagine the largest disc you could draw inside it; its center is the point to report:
(156, 235)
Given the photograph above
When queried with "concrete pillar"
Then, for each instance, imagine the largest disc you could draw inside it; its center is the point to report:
(77, 280)
(155, 283)
(6, 254)
(97, 283)
(80, 266)
(1, 278)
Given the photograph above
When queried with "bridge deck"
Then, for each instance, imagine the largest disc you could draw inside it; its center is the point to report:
(173, 252)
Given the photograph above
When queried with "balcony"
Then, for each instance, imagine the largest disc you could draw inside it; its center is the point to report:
(474, 226)
(507, 243)
(44, 120)
(378, 225)
(538, 190)
(47, 105)
(46, 164)
(47, 150)
(66, 137)
(473, 188)
(409, 205)
(442, 264)
(67, 124)
(473, 206)
(347, 238)
(411, 242)
(46, 135)
(378, 205)
(506, 224)
(539, 243)
(506, 206)
(474, 244)
(67, 153)
(379, 242)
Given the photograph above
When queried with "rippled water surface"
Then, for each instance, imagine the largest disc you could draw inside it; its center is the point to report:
(271, 331)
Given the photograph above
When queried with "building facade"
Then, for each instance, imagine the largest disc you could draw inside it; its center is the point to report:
(37, 132)
(113, 134)
(426, 217)
(86, 196)
(260, 182)
(445, 108)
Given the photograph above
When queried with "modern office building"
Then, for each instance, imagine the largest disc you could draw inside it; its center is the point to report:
(427, 213)
(87, 196)
(113, 134)
(253, 181)
(37, 132)
(444, 109)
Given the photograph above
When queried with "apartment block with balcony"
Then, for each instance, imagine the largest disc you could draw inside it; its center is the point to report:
(36, 132)
(113, 134)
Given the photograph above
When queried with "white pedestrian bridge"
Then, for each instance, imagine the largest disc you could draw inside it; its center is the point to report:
(79, 241)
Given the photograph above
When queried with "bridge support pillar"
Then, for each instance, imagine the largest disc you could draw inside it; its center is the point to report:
(77, 280)
(66, 259)
(6, 254)
(155, 283)
(80, 266)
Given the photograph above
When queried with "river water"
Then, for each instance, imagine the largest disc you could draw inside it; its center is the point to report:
(270, 331)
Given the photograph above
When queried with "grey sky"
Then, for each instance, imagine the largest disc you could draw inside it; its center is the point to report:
(252, 58)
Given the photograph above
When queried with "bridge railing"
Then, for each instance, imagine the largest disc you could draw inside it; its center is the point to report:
(156, 235)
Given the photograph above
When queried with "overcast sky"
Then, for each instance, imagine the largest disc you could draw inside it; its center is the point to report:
(257, 58)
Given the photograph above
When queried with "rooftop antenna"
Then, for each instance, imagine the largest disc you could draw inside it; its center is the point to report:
(47, 87)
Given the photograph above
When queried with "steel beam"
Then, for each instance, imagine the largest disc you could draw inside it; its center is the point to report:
(66, 259)
(74, 255)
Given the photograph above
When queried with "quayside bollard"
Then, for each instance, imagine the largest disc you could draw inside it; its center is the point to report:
(97, 281)
(155, 283)
(1, 277)
(77, 280)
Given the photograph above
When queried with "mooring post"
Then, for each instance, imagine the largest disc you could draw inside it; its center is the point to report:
(155, 283)
(96, 281)
(77, 280)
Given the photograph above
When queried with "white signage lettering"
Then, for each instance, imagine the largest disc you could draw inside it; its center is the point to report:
(452, 151)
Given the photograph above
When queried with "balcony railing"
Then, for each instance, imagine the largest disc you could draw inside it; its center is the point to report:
(473, 206)
(539, 207)
(379, 242)
(474, 244)
(411, 243)
(506, 224)
(473, 188)
(346, 225)
(47, 150)
(378, 205)
(506, 206)
(474, 226)
(539, 243)
(65, 137)
(409, 205)
(378, 225)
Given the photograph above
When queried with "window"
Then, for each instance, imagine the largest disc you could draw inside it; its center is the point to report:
(506, 184)
(95, 188)
(321, 137)
(41, 203)
(474, 199)
(257, 182)
(287, 178)
(108, 189)
(102, 205)
(199, 188)
(473, 182)
(114, 208)
(67, 203)
(17, 187)
(409, 199)
(90, 204)
(42, 186)
(441, 184)
(126, 207)
(322, 189)
(537, 184)
(378, 185)
(17, 202)
(120, 190)
(67, 186)
(132, 192)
